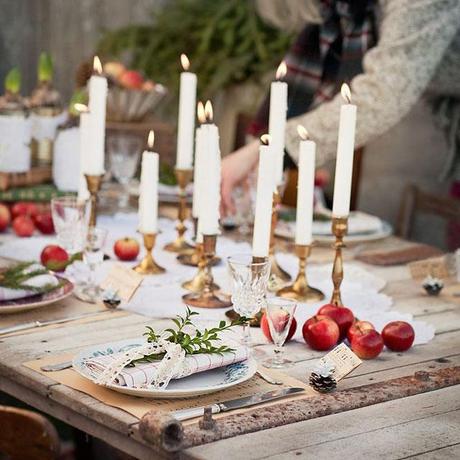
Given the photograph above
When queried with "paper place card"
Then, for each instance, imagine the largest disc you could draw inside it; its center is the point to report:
(343, 360)
(435, 267)
(123, 280)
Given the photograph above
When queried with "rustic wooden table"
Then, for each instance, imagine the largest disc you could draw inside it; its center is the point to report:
(379, 421)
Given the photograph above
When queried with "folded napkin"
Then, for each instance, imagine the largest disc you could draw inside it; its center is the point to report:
(140, 374)
(39, 281)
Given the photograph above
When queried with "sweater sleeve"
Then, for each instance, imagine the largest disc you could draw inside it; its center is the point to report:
(414, 35)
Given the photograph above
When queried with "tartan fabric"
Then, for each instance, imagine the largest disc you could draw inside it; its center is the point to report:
(324, 56)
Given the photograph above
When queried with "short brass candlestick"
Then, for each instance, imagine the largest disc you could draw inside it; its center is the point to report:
(93, 182)
(300, 289)
(193, 257)
(339, 229)
(179, 245)
(197, 283)
(148, 266)
(278, 276)
(208, 297)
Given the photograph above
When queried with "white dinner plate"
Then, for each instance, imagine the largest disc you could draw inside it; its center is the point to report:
(193, 385)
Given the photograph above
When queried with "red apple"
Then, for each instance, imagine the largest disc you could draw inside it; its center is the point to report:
(131, 79)
(343, 316)
(266, 328)
(321, 332)
(54, 258)
(126, 249)
(5, 217)
(398, 335)
(44, 222)
(23, 226)
(368, 344)
(24, 208)
(358, 327)
(114, 69)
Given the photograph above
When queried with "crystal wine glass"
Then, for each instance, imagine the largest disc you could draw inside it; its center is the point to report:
(124, 153)
(93, 255)
(70, 219)
(279, 313)
(249, 279)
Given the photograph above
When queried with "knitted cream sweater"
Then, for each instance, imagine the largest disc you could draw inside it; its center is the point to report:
(418, 52)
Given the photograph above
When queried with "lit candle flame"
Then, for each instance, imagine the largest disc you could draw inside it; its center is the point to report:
(80, 108)
(281, 71)
(303, 133)
(346, 93)
(185, 62)
(97, 66)
(151, 139)
(265, 139)
(208, 111)
(200, 112)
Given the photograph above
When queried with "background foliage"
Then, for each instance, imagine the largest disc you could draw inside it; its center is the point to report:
(226, 42)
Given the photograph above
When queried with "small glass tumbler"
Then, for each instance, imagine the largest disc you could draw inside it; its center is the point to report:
(250, 280)
(279, 312)
(70, 219)
(93, 255)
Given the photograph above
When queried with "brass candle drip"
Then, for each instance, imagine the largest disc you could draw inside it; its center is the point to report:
(208, 298)
(179, 245)
(300, 290)
(278, 275)
(197, 283)
(93, 182)
(339, 229)
(148, 266)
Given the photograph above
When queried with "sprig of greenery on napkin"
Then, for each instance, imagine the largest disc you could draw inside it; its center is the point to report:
(16, 277)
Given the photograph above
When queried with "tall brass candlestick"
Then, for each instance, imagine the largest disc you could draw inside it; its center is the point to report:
(148, 266)
(278, 276)
(197, 283)
(208, 298)
(339, 229)
(179, 245)
(93, 183)
(300, 290)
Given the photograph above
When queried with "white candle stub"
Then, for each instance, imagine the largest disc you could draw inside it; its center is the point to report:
(345, 151)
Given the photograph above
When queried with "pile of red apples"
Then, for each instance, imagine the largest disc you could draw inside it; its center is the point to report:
(26, 218)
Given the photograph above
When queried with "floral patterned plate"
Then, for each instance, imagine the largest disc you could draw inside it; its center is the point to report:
(193, 385)
(39, 300)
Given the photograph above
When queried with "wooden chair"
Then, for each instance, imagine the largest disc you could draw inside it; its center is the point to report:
(415, 201)
(26, 435)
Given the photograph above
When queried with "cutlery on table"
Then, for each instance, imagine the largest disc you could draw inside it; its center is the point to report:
(34, 324)
(259, 398)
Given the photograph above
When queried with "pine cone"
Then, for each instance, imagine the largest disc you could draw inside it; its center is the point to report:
(322, 384)
(83, 74)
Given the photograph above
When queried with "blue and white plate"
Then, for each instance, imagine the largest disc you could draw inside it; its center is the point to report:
(194, 385)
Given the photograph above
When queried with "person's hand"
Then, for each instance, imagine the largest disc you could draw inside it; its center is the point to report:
(235, 169)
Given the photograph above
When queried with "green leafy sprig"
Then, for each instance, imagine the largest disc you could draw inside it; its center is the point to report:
(197, 342)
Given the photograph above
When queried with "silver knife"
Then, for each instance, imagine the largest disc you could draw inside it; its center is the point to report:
(232, 404)
(34, 324)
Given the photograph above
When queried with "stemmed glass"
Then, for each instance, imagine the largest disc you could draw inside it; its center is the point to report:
(70, 219)
(279, 312)
(249, 279)
(93, 255)
(124, 157)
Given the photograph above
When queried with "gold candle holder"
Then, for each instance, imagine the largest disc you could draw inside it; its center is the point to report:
(300, 290)
(278, 275)
(198, 282)
(179, 245)
(339, 229)
(148, 266)
(93, 182)
(208, 297)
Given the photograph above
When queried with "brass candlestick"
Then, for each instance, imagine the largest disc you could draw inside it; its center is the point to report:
(278, 275)
(148, 266)
(339, 229)
(179, 245)
(300, 289)
(208, 297)
(197, 283)
(93, 183)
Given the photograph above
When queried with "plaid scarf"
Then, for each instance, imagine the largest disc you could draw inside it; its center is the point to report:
(324, 56)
